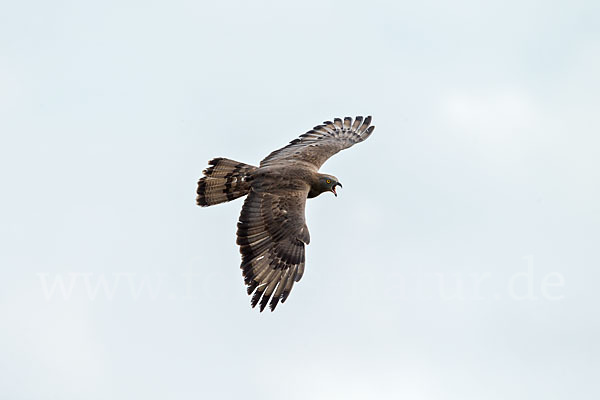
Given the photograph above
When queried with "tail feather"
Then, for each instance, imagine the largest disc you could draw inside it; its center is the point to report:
(224, 180)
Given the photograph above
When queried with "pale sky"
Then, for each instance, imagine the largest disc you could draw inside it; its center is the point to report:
(460, 260)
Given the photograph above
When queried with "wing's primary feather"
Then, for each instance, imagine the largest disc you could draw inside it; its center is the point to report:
(272, 234)
(323, 141)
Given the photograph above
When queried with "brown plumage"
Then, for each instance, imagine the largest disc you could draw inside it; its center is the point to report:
(272, 231)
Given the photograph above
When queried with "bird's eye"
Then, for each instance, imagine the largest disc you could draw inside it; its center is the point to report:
(328, 181)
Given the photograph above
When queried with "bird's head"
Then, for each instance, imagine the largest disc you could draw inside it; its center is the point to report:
(328, 183)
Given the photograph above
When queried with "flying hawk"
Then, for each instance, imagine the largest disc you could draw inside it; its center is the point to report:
(272, 231)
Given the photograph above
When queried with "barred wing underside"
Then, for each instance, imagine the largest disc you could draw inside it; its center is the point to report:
(322, 142)
(272, 234)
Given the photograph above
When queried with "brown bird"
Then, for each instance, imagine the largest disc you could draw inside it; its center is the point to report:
(272, 231)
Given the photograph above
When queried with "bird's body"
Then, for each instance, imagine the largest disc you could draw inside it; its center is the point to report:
(284, 177)
(272, 231)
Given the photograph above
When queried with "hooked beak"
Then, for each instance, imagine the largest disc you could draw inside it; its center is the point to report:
(333, 188)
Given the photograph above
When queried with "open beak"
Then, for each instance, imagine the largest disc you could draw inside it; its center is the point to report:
(333, 188)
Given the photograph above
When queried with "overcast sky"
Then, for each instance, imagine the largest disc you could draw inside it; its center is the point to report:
(460, 260)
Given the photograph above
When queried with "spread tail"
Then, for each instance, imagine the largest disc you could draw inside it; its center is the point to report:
(223, 181)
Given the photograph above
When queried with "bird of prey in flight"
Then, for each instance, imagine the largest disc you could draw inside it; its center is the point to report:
(272, 231)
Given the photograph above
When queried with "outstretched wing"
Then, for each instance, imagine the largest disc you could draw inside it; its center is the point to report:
(323, 141)
(272, 233)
